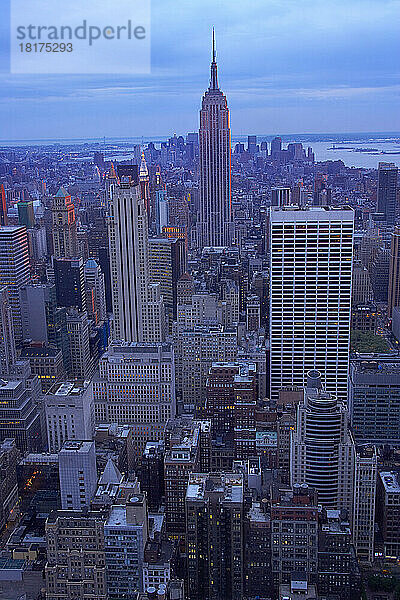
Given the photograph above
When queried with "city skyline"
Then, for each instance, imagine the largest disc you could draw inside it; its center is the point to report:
(200, 335)
(291, 69)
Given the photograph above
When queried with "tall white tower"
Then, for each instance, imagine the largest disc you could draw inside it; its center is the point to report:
(310, 296)
(215, 165)
(137, 305)
(14, 270)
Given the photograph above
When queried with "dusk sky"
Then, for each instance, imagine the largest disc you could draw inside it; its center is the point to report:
(286, 66)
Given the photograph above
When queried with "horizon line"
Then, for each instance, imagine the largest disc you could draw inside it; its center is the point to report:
(103, 138)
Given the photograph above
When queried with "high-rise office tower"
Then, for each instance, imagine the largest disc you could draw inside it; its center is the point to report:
(310, 296)
(69, 277)
(69, 413)
(276, 148)
(257, 551)
(95, 291)
(161, 209)
(167, 258)
(362, 289)
(46, 362)
(338, 571)
(81, 365)
(14, 269)
(196, 348)
(231, 398)
(38, 301)
(293, 512)
(37, 241)
(64, 225)
(379, 274)
(126, 532)
(387, 511)
(387, 191)
(137, 306)
(8, 354)
(26, 214)
(374, 400)
(78, 474)
(365, 476)
(136, 386)
(394, 273)
(3, 206)
(20, 415)
(158, 215)
(43, 321)
(215, 165)
(214, 535)
(252, 144)
(322, 448)
(182, 457)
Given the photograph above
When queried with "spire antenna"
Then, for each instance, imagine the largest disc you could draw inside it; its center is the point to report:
(213, 44)
(214, 77)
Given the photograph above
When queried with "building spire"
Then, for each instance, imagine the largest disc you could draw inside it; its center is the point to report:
(214, 77)
(213, 44)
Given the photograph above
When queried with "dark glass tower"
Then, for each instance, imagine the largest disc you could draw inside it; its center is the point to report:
(387, 190)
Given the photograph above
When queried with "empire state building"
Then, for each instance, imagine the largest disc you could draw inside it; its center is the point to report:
(215, 165)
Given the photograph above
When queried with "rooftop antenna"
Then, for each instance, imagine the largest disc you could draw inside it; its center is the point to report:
(214, 77)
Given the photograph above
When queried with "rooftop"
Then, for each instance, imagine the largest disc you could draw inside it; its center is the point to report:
(40, 351)
(76, 446)
(390, 481)
(310, 213)
(256, 514)
(377, 368)
(68, 388)
(228, 485)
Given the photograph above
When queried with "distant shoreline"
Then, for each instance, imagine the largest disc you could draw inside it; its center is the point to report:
(335, 138)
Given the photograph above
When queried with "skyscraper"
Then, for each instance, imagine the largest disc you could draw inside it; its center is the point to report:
(387, 191)
(26, 213)
(137, 305)
(3, 206)
(69, 278)
(78, 475)
(276, 148)
(252, 144)
(81, 365)
(64, 225)
(8, 355)
(69, 413)
(215, 165)
(14, 269)
(214, 532)
(136, 386)
(322, 448)
(95, 291)
(167, 264)
(310, 296)
(365, 475)
(394, 273)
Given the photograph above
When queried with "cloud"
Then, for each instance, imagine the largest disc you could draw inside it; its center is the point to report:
(277, 56)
